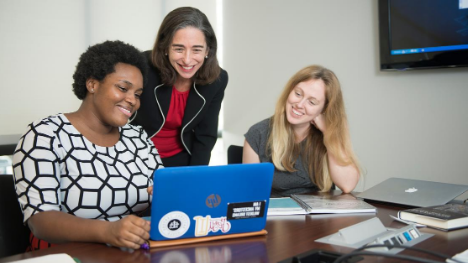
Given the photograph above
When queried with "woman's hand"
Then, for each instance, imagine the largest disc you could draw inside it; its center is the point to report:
(130, 232)
(319, 123)
(150, 190)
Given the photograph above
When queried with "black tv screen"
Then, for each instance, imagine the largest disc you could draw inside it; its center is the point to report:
(420, 34)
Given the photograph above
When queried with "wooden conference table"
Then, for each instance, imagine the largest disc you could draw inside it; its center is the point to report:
(287, 237)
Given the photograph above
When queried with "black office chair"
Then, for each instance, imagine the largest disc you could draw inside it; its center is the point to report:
(234, 154)
(14, 235)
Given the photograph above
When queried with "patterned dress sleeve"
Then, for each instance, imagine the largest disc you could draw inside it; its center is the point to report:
(36, 169)
(153, 161)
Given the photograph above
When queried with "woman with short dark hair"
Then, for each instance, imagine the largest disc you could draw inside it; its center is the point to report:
(84, 175)
(183, 94)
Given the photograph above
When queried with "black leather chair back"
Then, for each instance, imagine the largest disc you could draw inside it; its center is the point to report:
(234, 154)
(14, 235)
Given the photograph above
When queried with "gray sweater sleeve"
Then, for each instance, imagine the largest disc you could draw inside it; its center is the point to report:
(257, 137)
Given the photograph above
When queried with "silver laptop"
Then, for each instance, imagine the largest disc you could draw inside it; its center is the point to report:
(410, 192)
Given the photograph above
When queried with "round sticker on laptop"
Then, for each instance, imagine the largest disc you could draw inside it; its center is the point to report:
(174, 224)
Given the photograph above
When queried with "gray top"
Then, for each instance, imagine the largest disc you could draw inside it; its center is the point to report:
(284, 183)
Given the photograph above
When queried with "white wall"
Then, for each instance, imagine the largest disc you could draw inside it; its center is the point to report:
(42, 41)
(39, 48)
(403, 124)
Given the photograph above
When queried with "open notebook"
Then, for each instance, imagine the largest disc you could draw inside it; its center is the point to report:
(300, 204)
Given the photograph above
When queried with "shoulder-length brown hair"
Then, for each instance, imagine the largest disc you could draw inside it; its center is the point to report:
(178, 19)
(336, 140)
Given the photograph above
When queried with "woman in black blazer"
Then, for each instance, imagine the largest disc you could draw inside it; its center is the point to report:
(184, 90)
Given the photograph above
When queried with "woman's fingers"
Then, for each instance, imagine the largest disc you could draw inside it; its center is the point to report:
(150, 190)
(131, 232)
(319, 122)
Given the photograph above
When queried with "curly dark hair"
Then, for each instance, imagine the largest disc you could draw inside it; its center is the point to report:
(99, 60)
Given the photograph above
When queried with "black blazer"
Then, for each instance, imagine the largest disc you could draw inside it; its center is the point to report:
(200, 123)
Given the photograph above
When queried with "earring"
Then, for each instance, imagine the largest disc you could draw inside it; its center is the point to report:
(206, 57)
(92, 90)
(166, 54)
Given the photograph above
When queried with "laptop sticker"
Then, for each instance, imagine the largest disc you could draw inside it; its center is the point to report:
(411, 190)
(174, 224)
(205, 225)
(213, 200)
(245, 210)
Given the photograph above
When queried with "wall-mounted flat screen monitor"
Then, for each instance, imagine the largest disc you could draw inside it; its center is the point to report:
(420, 34)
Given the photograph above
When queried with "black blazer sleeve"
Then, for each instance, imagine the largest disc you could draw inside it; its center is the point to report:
(149, 116)
(206, 132)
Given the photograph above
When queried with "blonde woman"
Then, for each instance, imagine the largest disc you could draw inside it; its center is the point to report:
(307, 139)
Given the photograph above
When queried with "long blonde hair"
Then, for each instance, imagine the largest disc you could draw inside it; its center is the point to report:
(281, 143)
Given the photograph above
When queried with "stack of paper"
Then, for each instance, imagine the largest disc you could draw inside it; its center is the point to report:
(54, 258)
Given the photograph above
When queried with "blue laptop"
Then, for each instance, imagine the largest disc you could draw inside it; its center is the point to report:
(203, 201)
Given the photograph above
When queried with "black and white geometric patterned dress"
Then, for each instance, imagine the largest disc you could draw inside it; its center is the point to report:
(57, 168)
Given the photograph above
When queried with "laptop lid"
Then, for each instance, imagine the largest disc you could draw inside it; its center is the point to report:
(410, 192)
(198, 201)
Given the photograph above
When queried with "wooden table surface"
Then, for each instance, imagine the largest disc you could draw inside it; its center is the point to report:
(287, 237)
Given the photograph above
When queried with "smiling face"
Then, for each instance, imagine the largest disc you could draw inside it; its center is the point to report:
(187, 52)
(305, 103)
(117, 96)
